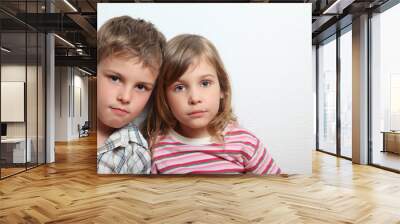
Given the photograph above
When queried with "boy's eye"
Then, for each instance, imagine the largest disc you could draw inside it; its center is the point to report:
(114, 78)
(205, 83)
(179, 88)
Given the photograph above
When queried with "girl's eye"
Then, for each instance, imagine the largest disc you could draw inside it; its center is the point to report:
(179, 88)
(205, 83)
(141, 87)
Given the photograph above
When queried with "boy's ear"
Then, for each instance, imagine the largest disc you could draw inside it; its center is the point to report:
(221, 96)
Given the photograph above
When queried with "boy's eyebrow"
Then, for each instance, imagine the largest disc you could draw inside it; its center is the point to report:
(112, 71)
(149, 84)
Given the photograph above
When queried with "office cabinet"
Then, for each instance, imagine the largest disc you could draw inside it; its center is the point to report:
(391, 142)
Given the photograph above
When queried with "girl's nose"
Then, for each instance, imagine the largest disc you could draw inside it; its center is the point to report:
(195, 97)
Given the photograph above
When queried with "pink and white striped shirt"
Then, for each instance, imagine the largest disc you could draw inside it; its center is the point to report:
(241, 152)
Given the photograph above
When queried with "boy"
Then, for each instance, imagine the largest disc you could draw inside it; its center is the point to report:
(129, 56)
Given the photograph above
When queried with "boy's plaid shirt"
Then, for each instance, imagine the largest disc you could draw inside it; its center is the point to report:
(124, 152)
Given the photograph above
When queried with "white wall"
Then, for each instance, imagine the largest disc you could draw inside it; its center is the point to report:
(17, 73)
(314, 86)
(68, 81)
(80, 83)
(34, 123)
(61, 104)
(14, 72)
(266, 49)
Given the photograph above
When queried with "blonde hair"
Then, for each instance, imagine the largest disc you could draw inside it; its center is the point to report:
(125, 36)
(180, 52)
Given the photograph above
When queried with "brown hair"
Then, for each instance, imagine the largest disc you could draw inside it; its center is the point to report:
(180, 52)
(130, 37)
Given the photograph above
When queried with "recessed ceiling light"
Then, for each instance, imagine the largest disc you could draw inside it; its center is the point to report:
(5, 50)
(86, 72)
(64, 40)
(337, 7)
(70, 5)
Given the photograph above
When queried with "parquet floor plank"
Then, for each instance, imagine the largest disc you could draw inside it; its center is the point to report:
(70, 191)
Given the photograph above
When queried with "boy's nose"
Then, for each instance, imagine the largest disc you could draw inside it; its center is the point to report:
(124, 96)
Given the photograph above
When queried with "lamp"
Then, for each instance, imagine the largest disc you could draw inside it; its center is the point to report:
(70, 5)
(5, 50)
(64, 40)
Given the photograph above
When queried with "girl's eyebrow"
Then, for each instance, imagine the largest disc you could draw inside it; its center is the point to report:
(179, 80)
(208, 75)
(148, 84)
(201, 77)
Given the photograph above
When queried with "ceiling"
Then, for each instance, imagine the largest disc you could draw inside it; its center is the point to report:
(76, 20)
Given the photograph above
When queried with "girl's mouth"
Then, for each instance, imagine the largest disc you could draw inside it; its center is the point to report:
(197, 113)
(119, 111)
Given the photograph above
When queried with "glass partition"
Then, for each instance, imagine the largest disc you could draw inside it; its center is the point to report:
(13, 95)
(22, 89)
(327, 96)
(346, 94)
(385, 90)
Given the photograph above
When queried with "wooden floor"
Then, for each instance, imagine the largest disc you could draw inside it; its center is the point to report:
(10, 171)
(5, 172)
(70, 191)
(387, 159)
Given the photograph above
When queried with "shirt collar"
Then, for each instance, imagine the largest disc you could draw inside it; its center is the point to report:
(123, 137)
(190, 141)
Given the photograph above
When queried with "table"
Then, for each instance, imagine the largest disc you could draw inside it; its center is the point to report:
(13, 150)
(391, 141)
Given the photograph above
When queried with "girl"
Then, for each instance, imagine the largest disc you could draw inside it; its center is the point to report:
(192, 129)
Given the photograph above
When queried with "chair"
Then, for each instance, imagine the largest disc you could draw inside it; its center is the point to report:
(84, 130)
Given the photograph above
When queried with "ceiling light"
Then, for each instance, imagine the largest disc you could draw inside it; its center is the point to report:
(65, 41)
(337, 7)
(86, 72)
(70, 5)
(5, 50)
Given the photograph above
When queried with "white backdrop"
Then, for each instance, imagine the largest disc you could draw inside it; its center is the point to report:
(266, 49)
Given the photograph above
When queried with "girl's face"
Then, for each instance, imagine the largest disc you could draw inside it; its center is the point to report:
(194, 98)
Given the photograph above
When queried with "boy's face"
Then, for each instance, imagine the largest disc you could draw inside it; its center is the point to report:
(123, 89)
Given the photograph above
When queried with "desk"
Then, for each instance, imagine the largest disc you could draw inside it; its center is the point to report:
(391, 141)
(13, 150)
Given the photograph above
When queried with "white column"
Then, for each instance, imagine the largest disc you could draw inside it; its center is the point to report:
(360, 90)
(50, 92)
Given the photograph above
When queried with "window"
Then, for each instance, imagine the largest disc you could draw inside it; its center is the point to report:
(327, 97)
(346, 93)
(385, 89)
